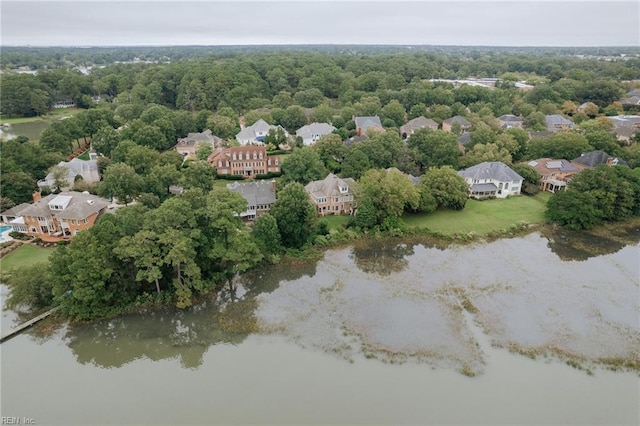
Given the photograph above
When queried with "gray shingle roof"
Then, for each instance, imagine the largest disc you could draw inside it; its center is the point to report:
(80, 206)
(490, 170)
(88, 169)
(329, 186)
(418, 123)
(15, 210)
(458, 119)
(312, 129)
(366, 122)
(194, 138)
(595, 158)
(484, 187)
(557, 120)
(256, 193)
(510, 118)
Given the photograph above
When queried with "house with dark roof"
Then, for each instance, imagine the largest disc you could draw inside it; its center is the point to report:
(555, 174)
(464, 124)
(245, 161)
(510, 121)
(86, 170)
(332, 195)
(260, 196)
(415, 124)
(314, 131)
(188, 146)
(596, 158)
(366, 124)
(60, 216)
(255, 134)
(557, 123)
(491, 179)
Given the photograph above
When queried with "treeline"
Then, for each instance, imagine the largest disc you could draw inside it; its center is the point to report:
(244, 81)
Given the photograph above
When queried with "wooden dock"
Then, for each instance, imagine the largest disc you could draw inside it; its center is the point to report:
(9, 334)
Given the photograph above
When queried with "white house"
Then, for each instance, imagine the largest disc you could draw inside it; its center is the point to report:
(256, 133)
(314, 131)
(491, 179)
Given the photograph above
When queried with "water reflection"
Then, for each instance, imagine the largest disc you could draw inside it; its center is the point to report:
(398, 301)
(382, 257)
(582, 245)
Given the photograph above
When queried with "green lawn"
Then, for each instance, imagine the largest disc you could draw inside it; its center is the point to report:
(483, 217)
(336, 221)
(24, 255)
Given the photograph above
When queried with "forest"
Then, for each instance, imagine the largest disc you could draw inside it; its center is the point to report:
(165, 248)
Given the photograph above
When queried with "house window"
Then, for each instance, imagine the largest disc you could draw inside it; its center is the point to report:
(234, 156)
(40, 218)
(506, 185)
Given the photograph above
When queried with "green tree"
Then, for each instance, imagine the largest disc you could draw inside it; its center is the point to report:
(567, 145)
(295, 215)
(447, 187)
(489, 152)
(394, 111)
(303, 165)
(199, 174)
(144, 249)
(29, 286)
(222, 126)
(121, 181)
(435, 148)
(531, 177)
(105, 140)
(390, 193)
(331, 151)
(355, 164)
(574, 209)
(266, 234)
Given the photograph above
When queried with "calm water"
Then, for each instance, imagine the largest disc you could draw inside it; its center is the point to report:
(378, 333)
(31, 130)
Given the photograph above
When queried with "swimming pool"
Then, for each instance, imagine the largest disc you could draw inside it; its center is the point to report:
(4, 235)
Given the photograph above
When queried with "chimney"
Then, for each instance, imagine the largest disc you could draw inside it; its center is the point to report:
(273, 185)
(36, 196)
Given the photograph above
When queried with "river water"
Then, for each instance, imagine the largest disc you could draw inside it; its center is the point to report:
(385, 332)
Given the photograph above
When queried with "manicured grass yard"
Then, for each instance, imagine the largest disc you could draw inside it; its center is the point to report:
(483, 217)
(25, 255)
(336, 221)
(53, 115)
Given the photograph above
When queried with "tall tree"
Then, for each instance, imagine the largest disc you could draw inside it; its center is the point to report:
(295, 215)
(303, 165)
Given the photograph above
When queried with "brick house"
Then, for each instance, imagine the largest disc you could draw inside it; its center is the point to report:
(60, 216)
(246, 161)
(332, 195)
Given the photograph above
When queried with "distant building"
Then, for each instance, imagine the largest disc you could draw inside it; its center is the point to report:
(86, 170)
(314, 131)
(415, 124)
(255, 134)
(188, 146)
(366, 124)
(246, 161)
(596, 158)
(464, 124)
(260, 196)
(510, 121)
(492, 179)
(557, 123)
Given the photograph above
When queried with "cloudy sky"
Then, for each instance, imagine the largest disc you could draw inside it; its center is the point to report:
(206, 22)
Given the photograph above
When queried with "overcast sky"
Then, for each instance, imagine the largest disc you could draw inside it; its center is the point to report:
(453, 22)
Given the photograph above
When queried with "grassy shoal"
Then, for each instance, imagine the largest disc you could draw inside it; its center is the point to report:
(25, 255)
(483, 217)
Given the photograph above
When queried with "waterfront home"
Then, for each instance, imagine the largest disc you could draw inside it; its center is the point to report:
(332, 195)
(188, 146)
(60, 216)
(314, 131)
(260, 196)
(491, 179)
(246, 161)
(555, 174)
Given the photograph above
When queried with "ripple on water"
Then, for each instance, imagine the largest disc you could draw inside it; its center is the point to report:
(519, 291)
